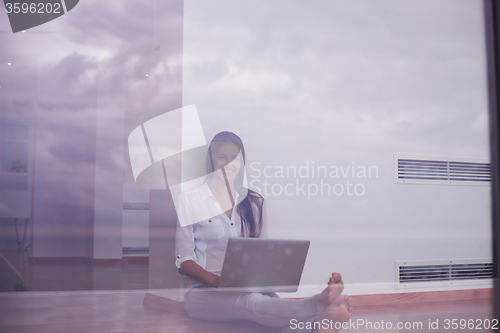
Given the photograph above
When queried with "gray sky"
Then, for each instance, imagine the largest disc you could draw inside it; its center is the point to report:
(325, 81)
(341, 81)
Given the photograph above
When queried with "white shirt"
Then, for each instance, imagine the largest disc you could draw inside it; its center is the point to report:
(205, 242)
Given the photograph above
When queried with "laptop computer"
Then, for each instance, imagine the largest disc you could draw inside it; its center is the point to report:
(263, 265)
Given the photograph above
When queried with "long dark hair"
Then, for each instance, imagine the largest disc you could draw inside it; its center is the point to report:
(251, 225)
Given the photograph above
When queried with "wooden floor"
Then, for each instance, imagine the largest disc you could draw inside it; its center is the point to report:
(107, 312)
(77, 296)
(60, 274)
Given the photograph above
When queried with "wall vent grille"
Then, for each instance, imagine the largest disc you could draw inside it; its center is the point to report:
(448, 271)
(130, 251)
(441, 170)
(135, 206)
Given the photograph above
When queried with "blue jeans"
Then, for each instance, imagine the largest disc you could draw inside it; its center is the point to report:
(267, 309)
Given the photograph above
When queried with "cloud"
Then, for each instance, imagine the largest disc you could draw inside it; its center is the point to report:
(397, 65)
(343, 81)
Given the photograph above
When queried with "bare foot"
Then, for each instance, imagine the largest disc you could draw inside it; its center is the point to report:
(327, 296)
(343, 300)
(334, 315)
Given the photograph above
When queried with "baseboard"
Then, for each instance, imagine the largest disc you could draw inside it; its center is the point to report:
(422, 297)
(166, 304)
(57, 260)
(135, 258)
(123, 260)
(105, 262)
(93, 261)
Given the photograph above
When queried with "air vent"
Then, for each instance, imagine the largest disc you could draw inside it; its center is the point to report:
(443, 272)
(441, 170)
(131, 251)
(135, 206)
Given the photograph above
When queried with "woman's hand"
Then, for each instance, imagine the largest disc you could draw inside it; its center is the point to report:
(215, 281)
(198, 273)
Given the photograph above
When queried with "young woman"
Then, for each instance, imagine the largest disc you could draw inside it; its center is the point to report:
(222, 208)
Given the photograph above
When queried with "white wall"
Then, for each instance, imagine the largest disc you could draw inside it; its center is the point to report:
(350, 83)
